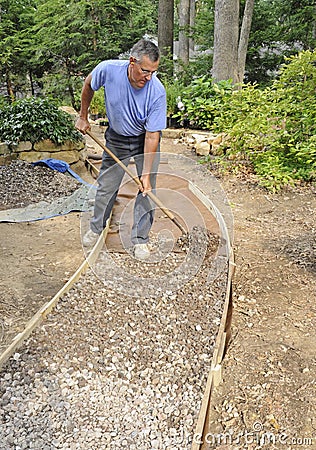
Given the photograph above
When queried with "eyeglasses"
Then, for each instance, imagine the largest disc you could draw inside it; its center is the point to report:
(145, 71)
(148, 72)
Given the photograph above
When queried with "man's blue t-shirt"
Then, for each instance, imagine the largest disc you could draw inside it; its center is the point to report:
(130, 111)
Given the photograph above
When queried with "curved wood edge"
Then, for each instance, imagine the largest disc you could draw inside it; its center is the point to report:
(43, 312)
(224, 331)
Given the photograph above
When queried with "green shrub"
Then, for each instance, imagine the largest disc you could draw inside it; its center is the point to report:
(97, 105)
(278, 134)
(202, 101)
(4, 101)
(273, 129)
(173, 91)
(34, 119)
(61, 90)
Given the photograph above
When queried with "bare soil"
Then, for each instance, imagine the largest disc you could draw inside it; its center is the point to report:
(269, 368)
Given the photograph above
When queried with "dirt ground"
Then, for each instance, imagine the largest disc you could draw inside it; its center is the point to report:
(269, 369)
(268, 395)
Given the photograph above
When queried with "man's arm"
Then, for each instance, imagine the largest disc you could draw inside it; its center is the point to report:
(150, 149)
(87, 93)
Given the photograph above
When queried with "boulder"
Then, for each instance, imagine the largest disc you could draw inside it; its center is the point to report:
(4, 149)
(47, 145)
(23, 146)
(216, 150)
(202, 148)
(70, 157)
(172, 133)
(200, 143)
(6, 159)
(70, 110)
(33, 156)
(83, 154)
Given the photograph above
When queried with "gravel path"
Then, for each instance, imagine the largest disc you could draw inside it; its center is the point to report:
(114, 371)
(114, 367)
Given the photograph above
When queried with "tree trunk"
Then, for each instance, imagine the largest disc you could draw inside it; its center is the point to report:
(165, 35)
(226, 31)
(243, 39)
(31, 83)
(10, 91)
(184, 26)
(314, 28)
(165, 27)
(192, 22)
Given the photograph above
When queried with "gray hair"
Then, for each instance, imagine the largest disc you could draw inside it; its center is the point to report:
(145, 47)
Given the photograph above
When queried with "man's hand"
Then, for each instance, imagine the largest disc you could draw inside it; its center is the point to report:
(82, 125)
(145, 179)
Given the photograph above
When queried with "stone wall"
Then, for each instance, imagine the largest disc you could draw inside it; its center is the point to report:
(202, 142)
(71, 152)
(74, 153)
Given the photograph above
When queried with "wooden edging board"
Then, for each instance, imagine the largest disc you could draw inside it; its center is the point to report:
(215, 374)
(43, 312)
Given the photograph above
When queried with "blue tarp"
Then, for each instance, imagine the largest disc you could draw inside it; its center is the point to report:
(60, 166)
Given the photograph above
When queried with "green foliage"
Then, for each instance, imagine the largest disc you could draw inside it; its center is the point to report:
(166, 68)
(297, 22)
(62, 90)
(172, 91)
(4, 101)
(15, 17)
(202, 100)
(173, 87)
(203, 32)
(278, 134)
(271, 130)
(66, 38)
(40, 38)
(198, 67)
(279, 29)
(75, 35)
(97, 105)
(33, 120)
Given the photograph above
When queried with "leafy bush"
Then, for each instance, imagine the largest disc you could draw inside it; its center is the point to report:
(273, 129)
(61, 90)
(173, 91)
(33, 120)
(4, 100)
(278, 134)
(97, 105)
(202, 101)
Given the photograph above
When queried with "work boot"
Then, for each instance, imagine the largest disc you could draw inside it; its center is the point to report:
(141, 251)
(90, 238)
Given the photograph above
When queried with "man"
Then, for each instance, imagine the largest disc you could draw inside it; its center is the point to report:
(136, 110)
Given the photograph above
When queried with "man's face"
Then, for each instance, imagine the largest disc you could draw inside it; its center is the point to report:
(141, 71)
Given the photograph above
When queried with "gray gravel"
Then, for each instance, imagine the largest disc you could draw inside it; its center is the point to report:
(110, 370)
(22, 184)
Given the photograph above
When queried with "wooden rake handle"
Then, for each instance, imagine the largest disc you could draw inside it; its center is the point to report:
(150, 194)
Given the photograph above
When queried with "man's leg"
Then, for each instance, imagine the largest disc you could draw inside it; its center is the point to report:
(109, 180)
(144, 208)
